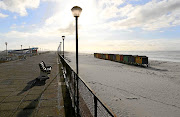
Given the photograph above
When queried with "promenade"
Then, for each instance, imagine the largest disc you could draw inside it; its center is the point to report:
(22, 96)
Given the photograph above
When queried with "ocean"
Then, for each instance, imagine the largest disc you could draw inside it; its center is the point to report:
(172, 56)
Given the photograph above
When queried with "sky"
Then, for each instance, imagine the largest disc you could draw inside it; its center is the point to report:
(104, 25)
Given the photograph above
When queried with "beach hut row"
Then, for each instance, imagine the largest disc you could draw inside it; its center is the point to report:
(127, 59)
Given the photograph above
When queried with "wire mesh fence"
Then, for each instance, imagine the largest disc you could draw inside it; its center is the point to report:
(84, 100)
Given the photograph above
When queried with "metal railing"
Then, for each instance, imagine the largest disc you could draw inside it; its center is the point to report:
(84, 100)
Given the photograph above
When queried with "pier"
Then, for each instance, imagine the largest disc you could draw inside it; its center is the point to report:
(22, 95)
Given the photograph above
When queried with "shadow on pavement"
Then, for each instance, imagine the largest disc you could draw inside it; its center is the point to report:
(31, 84)
(28, 110)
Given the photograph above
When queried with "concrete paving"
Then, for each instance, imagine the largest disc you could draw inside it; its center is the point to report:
(22, 96)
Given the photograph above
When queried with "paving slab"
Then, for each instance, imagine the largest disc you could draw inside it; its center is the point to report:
(21, 95)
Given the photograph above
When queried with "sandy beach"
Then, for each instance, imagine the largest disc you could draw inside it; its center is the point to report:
(132, 91)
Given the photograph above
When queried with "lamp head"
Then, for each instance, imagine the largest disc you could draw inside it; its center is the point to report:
(76, 11)
(6, 43)
(63, 37)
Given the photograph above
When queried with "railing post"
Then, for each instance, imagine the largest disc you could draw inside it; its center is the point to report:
(95, 106)
(77, 90)
(74, 90)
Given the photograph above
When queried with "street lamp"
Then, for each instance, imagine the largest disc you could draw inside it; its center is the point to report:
(63, 37)
(6, 48)
(76, 11)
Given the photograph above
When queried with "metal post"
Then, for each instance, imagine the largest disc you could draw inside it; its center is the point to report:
(95, 106)
(76, 44)
(6, 50)
(21, 49)
(77, 90)
(74, 89)
(60, 48)
(63, 48)
(77, 65)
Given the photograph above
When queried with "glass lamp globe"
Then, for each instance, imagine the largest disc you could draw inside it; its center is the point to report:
(76, 11)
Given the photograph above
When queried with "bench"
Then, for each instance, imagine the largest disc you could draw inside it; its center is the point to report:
(44, 71)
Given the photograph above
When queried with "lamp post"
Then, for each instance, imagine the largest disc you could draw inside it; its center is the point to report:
(6, 48)
(21, 48)
(60, 48)
(29, 50)
(63, 37)
(76, 11)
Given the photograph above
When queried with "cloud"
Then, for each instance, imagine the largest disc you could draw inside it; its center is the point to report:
(153, 15)
(51, 0)
(95, 24)
(93, 16)
(62, 20)
(3, 15)
(16, 34)
(107, 15)
(129, 45)
(36, 39)
(18, 27)
(108, 8)
(69, 30)
(19, 6)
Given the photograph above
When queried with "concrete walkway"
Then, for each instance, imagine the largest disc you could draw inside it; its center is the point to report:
(22, 96)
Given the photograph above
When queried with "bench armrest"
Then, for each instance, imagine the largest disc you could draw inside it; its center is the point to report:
(48, 67)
